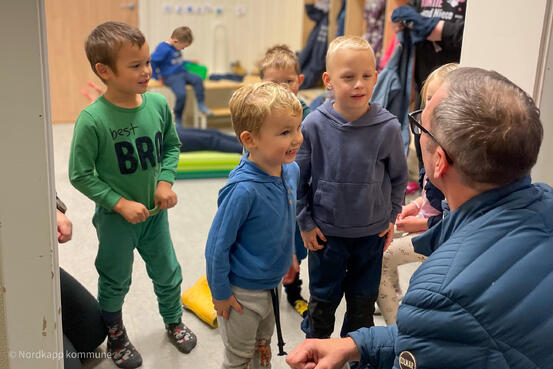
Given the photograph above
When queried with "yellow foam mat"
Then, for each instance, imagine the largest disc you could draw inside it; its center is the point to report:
(198, 300)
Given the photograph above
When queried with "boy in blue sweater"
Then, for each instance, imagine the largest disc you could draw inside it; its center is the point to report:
(168, 66)
(352, 183)
(251, 241)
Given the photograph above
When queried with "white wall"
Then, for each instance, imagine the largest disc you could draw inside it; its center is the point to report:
(512, 38)
(544, 170)
(28, 258)
(220, 39)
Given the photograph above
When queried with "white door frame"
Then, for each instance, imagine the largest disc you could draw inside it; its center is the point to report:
(29, 271)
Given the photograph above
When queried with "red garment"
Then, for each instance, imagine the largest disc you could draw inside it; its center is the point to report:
(388, 53)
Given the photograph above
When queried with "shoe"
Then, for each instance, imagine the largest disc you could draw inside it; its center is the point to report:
(204, 109)
(300, 306)
(412, 187)
(181, 337)
(121, 350)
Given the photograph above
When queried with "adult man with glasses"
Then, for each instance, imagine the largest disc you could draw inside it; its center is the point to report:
(417, 129)
(483, 297)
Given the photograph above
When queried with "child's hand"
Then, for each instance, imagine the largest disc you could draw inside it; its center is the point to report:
(165, 197)
(389, 233)
(291, 274)
(408, 210)
(310, 240)
(223, 306)
(134, 212)
(412, 224)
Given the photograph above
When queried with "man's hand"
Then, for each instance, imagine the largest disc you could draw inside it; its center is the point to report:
(164, 196)
(134, 212)
(223, 306)
(65, 227)
(389, 233)
(310, 239)
(291, 274)
(323, 353)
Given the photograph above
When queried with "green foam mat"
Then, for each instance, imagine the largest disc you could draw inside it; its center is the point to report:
(206, 164)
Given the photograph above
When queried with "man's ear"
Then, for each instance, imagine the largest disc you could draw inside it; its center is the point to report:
(248, 140)
(441, 164)
(300, 79)
(326, 80)
(103, 71)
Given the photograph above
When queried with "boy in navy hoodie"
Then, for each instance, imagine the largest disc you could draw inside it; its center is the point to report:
(251, 241)
(168, 67)
(352, 183)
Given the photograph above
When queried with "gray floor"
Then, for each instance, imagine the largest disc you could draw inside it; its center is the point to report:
(189, 221)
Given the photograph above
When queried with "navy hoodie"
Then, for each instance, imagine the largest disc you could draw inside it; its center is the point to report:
(251, 240)
(352, 174)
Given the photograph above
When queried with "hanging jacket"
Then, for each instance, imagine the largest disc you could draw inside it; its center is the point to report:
(419, 26)
(393, 88)
(312, 57)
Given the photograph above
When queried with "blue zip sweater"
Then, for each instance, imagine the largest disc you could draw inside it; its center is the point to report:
(353, 174)
(251, 240)
(166, 61)
(483, 298)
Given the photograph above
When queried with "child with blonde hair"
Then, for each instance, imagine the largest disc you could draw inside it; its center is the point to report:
(415, 217)
(280, 65)
(353, 175)
(251, 240)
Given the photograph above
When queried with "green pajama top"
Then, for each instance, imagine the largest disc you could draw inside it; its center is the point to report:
(118, 152)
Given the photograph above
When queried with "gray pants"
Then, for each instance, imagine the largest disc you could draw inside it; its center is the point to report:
(247, 335)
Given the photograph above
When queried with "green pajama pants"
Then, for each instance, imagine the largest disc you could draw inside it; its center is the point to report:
(117, 241)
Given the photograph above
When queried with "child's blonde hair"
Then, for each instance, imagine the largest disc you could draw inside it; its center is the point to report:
(252, 104)
(183, 34)
(348, 42)
(438, 74)
(279, 57)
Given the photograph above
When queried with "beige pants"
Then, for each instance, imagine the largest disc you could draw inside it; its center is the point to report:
(247, 335)
(398, 253)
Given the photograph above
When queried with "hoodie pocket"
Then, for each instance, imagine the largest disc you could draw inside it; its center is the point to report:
(348, 204)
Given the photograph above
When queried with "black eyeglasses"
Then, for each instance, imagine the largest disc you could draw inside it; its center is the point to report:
(418, 129)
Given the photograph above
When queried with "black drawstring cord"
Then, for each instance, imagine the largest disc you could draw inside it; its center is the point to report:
(274, 297)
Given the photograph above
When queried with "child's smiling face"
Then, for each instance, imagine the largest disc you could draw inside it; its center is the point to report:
(132, 70)
(277, 142)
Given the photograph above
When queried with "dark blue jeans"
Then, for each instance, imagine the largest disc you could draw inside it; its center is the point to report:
(194, 139)
(177, 83)
(346, 266)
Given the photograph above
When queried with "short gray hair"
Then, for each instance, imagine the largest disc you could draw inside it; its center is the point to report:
(489, 126)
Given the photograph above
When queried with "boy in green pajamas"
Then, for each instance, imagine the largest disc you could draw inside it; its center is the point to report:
(124, 157)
